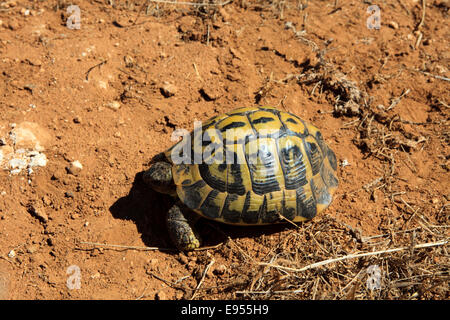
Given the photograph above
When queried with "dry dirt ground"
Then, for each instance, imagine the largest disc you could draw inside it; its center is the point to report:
(110, 93)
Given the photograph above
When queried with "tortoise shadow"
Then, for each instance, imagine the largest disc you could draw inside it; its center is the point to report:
(148, 208)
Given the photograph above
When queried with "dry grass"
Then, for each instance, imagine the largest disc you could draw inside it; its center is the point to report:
(325, 260)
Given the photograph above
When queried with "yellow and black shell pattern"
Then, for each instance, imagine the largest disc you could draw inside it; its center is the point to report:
(267, 163)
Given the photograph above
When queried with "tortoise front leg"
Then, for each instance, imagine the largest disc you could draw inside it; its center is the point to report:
(181, 231)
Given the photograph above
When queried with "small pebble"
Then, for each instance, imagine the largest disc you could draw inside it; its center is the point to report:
(183, 259)
(168, 90)
(68, 194)
(75, 167)
(50, 242)
(220, 269)
(344, 163)
(393, 25)
(209, 94)
(128, 61)
(114, 105)
(12, 254)
(74, 216)
(38, 211)
(13, 25)
(25, 12)
(32, 248)
(46, 201)
(103, 85)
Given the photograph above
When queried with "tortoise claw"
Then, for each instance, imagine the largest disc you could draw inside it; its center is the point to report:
(180, 229)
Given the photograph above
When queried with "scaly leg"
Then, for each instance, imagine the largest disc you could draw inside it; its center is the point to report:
(181, 231)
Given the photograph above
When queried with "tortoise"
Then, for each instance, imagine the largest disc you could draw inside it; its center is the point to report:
(250, 166)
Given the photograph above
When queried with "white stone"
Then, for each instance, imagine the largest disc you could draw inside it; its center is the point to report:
(17, 163)
(39, 160)
(115, 105)
(77, 164)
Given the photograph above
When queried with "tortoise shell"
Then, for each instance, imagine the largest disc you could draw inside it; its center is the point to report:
(251, 165)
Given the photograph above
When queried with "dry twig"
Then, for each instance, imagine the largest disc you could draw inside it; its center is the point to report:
(203, 278)
(353, 256)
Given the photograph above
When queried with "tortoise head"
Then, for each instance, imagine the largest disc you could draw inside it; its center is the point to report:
(159, 178)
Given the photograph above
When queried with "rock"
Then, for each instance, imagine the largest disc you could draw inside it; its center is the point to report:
(103, 85)
(153, 261)
(183, 259)
(38, 160)
(17, 163)
(32, 248)
(13, 25)
(46, 201)
(50, 242)
(393, 25)
(31, 136)
(168, 90)
(209, 94)
(74, 216)
(220, 269)
(37, 210)
(57, 175)
(129, 62)
(114, 105)
(69, 194)
(75, 167)
(28, 140)
(25, 12)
